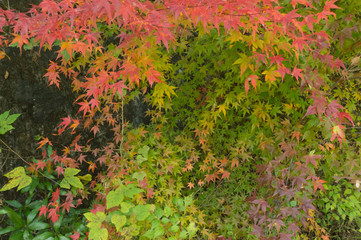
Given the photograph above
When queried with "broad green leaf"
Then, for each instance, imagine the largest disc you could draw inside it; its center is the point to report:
(36, 225)
(183, 234)
(98, 217)
(165, 220)
(158, 231)
(119, 221)
(142, 211)
(114, 198)
(69, 172)
(158, 212)
(3, 116)
(125, 207)
(139, 175)
(167, 211)
(15, 217)
(130, 192)
(30, 217)
(98, 234)
(18, 178)
(6, 120)
(192, 229)
(17, 235)
(174, 228)
(14, 203)
(70, 179)
(6, 230)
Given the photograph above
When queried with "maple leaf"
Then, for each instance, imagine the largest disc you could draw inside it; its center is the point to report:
(278, 59)
(329, 4)
(347, 116)
(66, 121)
(144, 183)
(311, 159)
(235, 163)
(43, 210)
(296, 135)
(277, 223)
(338, 133)
(157, 135)
(150, 193)
(257, 231)
(43, 142)
(223, 162)
(67, 204)
(54, 215)
(92, 166)
(261, 204)
(55, 195)
(297, 73)
(85, 108)
(309, 20)
(75, 236)
(20, 40)
(253, 79)
(270, 75)
(40, 164)
(95, 129)
(153, 76)
(317, 184)
(32, 167)
(190, 185)
(225, 175)
(74, 125)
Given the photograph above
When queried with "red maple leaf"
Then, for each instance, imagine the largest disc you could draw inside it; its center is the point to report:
(75, 236)
(150, 193)
(253, 79)
(338, 133)
(297, 73)
(43, 210)
(54, 214)
(40, 164)
(55, 195)
(67, 204)
(144, 183)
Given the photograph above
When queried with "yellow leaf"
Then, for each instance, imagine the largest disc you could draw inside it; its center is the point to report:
(222, 108)
(270, 75)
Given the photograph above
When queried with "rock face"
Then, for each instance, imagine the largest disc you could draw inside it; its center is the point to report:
(24, 90)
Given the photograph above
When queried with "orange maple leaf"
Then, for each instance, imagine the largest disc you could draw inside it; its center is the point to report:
(43, 142)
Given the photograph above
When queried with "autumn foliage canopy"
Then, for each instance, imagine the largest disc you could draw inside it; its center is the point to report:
(240, 109)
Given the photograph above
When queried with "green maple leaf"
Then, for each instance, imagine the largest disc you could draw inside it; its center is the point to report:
(18, 179)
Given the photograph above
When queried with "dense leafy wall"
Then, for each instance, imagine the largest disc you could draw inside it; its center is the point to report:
(247, 125)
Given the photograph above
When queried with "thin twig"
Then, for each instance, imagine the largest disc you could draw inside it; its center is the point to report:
(18, 155)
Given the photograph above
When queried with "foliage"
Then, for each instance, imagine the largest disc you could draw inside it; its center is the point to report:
(6, 120)
(18, 179)
(25, 219)
(238, 93)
